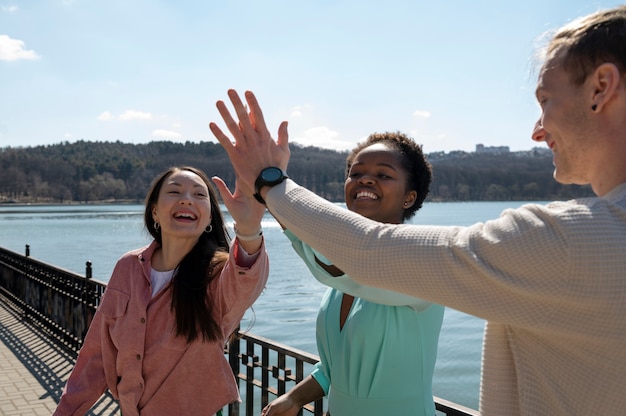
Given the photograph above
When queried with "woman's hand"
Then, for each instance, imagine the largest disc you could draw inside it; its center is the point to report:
(246, 211)
(282, 406)
(289, 404)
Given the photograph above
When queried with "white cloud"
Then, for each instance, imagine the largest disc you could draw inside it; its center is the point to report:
(165, 134)
(105, 116)
(130, 115)
(296, 111)
(323, 137)
(422, 114)
(10, 9)
(13, 50)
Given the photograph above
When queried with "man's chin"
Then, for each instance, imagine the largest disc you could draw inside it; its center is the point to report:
(564, 179)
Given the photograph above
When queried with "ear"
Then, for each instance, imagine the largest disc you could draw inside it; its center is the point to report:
(605, 82)
(409, 199)
(155, 217)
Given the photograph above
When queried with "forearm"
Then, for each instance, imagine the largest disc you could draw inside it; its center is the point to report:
(467, 268)
(332, 276)
(306, 391)
(401, 258)
(249, 239)
(338, 234)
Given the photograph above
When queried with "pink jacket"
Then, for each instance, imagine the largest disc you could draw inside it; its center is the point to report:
(132, 350)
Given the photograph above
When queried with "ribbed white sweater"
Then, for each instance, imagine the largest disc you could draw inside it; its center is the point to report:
(549, 280)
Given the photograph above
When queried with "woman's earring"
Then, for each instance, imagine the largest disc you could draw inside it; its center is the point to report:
(157, 226)
(208, 229)
(594, 107)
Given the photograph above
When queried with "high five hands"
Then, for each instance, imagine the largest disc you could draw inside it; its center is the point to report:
(253, 148)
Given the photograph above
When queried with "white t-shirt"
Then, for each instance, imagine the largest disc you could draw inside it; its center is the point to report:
(160, 279)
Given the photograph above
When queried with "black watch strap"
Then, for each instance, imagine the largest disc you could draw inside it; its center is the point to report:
(259, 198)
(270, 176)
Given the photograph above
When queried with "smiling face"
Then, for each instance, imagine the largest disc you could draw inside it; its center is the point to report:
(564, 124)
(183, 207)
(376, 186)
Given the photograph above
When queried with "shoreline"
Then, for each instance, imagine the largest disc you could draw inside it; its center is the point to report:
(16, 203)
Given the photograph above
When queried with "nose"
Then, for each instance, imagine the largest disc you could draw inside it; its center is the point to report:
(538, 134)
(185, 198)
(366, 179)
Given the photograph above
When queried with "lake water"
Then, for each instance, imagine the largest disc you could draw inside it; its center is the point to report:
(69, 236)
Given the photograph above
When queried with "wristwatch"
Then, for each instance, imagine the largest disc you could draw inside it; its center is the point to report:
(268, 177)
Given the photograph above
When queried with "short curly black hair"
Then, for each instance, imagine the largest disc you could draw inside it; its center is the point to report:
(413, 161)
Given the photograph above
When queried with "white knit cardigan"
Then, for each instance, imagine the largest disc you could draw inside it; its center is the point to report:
(550, 281)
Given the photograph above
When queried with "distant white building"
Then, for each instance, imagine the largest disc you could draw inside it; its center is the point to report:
(492, 149)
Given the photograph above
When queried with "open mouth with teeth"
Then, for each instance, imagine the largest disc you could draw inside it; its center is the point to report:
(185, 216)
(365, 195)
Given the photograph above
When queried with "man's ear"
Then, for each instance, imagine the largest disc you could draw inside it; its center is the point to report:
(605, 81)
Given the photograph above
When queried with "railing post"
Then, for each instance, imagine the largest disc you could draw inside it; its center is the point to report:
(88, 271)
(27, 251)
(234, 348)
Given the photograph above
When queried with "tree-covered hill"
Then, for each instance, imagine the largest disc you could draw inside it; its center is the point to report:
(103, 171)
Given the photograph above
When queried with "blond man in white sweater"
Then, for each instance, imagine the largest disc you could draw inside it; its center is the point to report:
(550, 280)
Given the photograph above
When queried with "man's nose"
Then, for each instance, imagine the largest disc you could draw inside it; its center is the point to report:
(539, 134)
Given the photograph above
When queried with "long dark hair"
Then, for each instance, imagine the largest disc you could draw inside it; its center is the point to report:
(191, 300)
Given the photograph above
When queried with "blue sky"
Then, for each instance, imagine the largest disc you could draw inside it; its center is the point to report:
(451, 74)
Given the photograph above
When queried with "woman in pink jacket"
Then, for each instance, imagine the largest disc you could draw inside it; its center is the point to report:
(158, 336)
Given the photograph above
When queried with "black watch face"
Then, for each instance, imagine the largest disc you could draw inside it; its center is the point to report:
(272, 174)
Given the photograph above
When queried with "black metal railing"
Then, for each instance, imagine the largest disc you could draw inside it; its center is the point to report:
(63, 303)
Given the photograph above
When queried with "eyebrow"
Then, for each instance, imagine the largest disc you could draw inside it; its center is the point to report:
(385, 165)
(198, 185)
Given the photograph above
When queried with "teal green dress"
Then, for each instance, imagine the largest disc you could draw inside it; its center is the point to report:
(382, 361)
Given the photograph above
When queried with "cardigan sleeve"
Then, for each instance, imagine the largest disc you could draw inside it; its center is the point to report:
(509, 269)
(347, 285)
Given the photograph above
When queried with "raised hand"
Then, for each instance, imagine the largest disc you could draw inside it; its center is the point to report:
(253, 148)
(247, 213)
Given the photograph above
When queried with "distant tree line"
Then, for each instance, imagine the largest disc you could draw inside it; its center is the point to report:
(87, 172)
(511, 176)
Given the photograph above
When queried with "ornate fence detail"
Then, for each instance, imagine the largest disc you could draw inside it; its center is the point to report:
(59, 300)
(63, 304)
(268, 369)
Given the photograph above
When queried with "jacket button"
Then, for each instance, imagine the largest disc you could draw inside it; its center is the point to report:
(139, 356)
(143, 320)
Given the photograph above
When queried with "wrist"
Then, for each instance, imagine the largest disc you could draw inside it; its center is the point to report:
(268, 177)
(248, 236)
